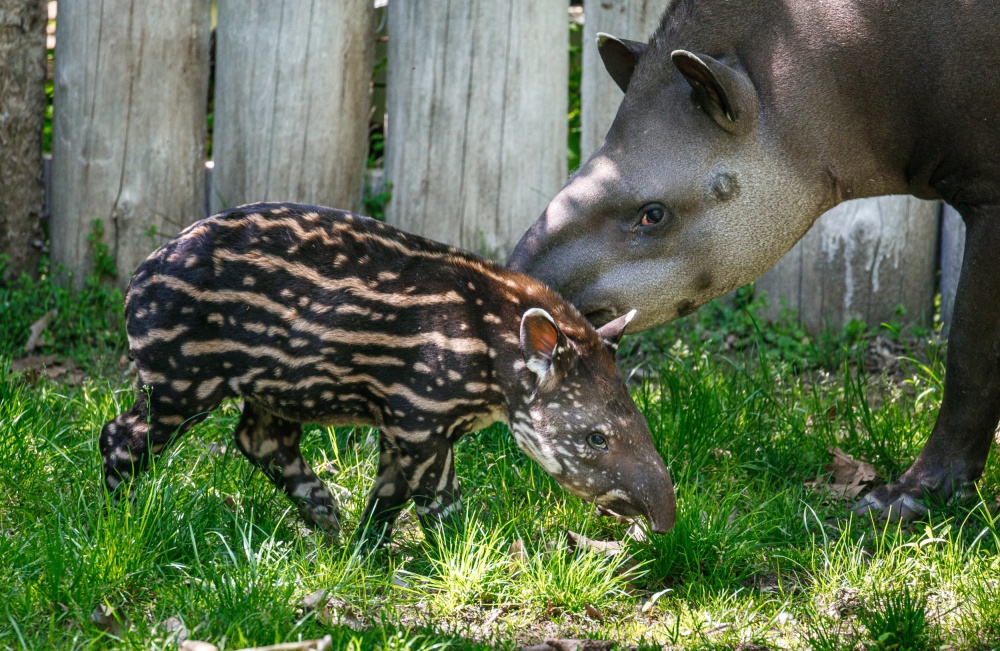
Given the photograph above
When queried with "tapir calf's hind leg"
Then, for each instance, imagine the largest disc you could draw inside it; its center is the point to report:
(128, 440)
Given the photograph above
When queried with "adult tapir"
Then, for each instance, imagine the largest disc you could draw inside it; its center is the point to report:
(742, 122)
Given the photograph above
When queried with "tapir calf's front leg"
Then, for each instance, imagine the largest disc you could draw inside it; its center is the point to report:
(956, 452)
(389, 495)
(435, 489)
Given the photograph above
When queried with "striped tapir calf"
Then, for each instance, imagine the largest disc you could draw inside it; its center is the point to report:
(316, 315)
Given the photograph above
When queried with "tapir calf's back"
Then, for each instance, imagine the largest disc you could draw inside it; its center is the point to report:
(317, 316)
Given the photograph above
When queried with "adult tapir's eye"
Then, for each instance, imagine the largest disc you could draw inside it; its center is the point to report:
(597, 441)
(652, 214)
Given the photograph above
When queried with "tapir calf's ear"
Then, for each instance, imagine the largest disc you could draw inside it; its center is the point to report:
(725, 93)
(620, 57)
(541, 344)
(612, 331)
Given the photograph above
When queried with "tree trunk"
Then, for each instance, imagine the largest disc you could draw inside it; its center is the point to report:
(22, 117)
(477, 125)
(292, 97)
(128, 146)
(635, 20)
(861, 260)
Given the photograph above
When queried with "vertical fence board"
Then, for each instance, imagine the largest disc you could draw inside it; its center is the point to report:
(599, 96)
(22, 113)
(292, 97)
(128, 145)
(477, 101)
(952, 253)
(861, 260)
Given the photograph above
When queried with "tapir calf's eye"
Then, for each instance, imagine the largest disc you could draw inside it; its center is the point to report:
(597, 441)
(652, 214)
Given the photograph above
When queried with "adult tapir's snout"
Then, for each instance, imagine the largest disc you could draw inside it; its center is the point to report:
(536, 253)
(568, 246)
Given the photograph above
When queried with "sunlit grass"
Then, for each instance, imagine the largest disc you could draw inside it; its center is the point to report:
(756, 556)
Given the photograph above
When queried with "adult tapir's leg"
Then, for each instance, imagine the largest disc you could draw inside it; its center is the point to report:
(956, 451)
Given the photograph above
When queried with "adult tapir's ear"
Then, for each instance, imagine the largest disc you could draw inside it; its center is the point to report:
(612, 331)
(726, 94)
(543, 345)
(620, 57)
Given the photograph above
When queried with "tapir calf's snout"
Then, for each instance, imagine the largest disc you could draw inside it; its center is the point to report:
(661, 509)
(654, 500)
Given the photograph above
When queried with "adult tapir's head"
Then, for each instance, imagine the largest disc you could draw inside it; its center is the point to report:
(693, 193)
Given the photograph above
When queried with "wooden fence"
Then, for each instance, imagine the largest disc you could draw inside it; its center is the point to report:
(475, 125)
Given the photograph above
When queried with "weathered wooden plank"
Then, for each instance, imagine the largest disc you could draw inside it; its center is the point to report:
(477, 101)
(292, 96)
(861, 260)
(952, 253)
(22, 113)
(599, 96)
(128, 144)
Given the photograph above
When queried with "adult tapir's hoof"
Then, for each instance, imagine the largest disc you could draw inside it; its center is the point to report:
(887, 503)
(910, 496)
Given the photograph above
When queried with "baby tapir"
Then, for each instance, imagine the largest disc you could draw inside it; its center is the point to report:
(315, 315)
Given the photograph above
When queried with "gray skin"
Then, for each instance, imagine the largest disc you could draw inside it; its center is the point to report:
(744, 122)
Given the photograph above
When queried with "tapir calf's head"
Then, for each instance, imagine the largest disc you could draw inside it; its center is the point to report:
(689, 197)
(580, 424)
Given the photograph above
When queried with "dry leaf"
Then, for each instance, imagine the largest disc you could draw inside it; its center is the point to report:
(558, 644)
(37, 328)
(104, 617)
(750, 646)
(594, 612)
(328, 468)
(636, 532)
(322, 644)
(850, 477)
(216, 448)
(882, 356)
(492, 617)
(196, 645)
(647, 608)
(606, 547)
(330, 611)
(608, 513)
(314, 601)
(516, 551)
(35, 366)
(176, 628)
(31, 363)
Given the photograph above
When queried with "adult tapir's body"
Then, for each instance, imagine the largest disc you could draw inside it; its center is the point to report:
(742, 122)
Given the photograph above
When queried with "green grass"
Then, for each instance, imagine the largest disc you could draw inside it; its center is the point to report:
(756, 557)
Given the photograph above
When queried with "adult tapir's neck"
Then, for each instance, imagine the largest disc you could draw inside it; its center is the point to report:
(880, 96)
